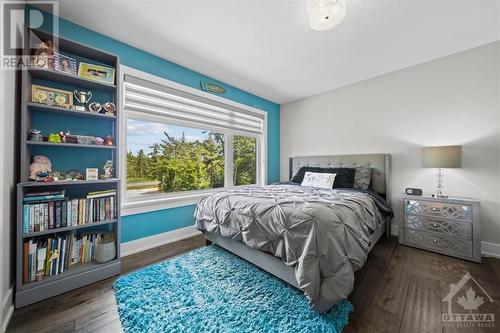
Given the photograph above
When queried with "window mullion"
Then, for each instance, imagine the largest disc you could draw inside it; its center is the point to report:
(228, 160)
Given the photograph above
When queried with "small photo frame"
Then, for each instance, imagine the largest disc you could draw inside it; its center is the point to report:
(65, 64)
(96, 72)
(51, 97)
(91, 173)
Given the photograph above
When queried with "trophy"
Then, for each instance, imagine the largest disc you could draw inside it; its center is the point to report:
(83, 98)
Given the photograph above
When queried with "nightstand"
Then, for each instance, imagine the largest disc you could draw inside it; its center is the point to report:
(445, 225)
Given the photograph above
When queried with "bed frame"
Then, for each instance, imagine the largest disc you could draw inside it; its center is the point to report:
(381, 164)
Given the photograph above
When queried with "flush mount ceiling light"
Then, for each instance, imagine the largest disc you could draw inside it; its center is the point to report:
(325, 14)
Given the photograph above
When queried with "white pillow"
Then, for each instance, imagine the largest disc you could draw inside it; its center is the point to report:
(321, 180)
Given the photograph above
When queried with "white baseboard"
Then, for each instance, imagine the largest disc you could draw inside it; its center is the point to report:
(7, 308)
(150, 242)
(490, 250)
(487, 249)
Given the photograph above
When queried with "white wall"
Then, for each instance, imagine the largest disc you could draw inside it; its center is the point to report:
(448, 101)
(8, 174)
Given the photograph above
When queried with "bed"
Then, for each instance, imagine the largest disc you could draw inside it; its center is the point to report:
(313, 239)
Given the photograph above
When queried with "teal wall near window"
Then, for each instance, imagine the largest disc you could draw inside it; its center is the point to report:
(152, 223)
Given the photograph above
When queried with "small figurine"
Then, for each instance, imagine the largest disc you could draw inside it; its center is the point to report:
(35, 135)
(40, 168)
(74, 175)
(108, 141)
(108, 170)
(98, 141)
(54, 137)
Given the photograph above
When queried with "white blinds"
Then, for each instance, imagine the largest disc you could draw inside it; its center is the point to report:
(153, 98)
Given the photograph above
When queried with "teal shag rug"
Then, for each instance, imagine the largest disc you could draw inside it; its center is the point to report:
(212, 290)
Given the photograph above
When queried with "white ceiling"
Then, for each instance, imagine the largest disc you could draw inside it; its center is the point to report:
(267, 48)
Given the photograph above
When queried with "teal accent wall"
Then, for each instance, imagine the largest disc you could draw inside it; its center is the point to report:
(152, 223)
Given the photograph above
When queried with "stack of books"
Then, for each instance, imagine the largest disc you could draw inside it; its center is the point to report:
(54, 255)
(51, 210)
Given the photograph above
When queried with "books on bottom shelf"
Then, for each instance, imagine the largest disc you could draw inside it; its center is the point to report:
(44, 211)
(51, 256)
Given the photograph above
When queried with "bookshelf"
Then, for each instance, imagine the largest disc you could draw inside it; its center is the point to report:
(67, 157)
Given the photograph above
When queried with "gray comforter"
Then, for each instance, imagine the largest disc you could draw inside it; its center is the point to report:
(324, 234)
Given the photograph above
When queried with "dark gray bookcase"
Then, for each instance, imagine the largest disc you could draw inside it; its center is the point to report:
(79, 157)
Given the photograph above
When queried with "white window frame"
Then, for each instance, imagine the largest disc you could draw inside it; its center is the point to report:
(171, 200)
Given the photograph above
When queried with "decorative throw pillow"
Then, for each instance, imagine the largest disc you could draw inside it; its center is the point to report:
(362, 177)
(321, 180)
(344, 178)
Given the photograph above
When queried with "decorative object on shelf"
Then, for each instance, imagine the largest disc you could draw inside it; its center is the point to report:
(91, 174)
(35, 135)
(212, 87)
(83, 98)
(95, 107)
(106, 250)
(325, 14)
(51, 96)
(40, 167)
(74, 175)
(108, 141)
(44, 55)
(56, 175)
(96, 72)
(442, 157)
(98, 141)
(65, 64)
(54, 137)
(109, 108)
(70, 138)
(85, 139)
(108, 170)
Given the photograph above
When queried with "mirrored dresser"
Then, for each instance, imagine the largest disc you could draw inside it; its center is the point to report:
(445, 225)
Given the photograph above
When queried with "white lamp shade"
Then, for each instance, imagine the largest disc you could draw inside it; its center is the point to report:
(442, 157)
(325, 14)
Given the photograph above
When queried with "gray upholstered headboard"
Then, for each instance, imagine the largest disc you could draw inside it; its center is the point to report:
(381, 164)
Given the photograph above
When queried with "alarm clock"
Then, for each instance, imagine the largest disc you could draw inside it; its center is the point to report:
(414, 191)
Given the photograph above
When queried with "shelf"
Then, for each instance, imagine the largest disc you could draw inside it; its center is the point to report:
(61, 77)
(72, 145)
(73, 227)
(59, 110)
(74, 270)
(69, 182)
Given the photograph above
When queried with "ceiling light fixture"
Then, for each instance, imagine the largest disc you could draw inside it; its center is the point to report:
(325, 14)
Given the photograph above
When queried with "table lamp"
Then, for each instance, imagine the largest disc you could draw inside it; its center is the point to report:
(442, 157)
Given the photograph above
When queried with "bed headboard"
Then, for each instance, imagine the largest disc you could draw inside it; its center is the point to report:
(381, 164)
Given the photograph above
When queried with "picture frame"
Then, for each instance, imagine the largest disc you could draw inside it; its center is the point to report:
(96, 72)
(91, 174)
(65, 64)
(51, 96)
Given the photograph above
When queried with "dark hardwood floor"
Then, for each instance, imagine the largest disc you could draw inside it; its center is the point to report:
(398, 290)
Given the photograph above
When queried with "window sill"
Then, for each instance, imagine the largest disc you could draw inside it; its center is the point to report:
(164, 202)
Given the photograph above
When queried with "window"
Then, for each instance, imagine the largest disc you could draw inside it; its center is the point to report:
(244, 160)
(163, 158)
(181, 143)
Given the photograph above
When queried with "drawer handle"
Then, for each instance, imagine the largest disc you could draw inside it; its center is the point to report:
(434, 241)
(435, 225)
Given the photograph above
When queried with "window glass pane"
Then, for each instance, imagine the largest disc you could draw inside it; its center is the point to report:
(168, 158)
(244, 160)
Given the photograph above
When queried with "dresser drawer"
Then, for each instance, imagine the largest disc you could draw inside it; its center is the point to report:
(439, 209)
(440, 243)
(445, 227)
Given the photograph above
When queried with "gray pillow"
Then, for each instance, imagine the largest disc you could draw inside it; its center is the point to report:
(362, 177)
